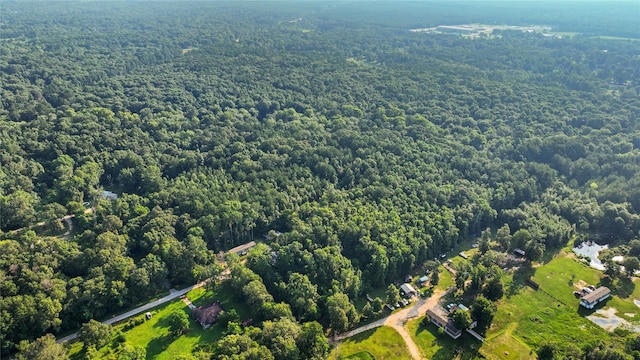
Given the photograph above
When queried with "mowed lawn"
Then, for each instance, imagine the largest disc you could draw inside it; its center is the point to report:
(435, 346)
(563, 275)
(154, 336)
(380, 343)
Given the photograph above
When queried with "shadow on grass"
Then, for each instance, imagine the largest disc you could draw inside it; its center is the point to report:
(158, 345)
(163, 322)
(465, 348)
(363, 355)
(362, 336)
(520, 277)
(622, 287)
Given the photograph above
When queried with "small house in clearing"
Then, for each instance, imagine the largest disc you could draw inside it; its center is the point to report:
(598, 295)
(423, 280)
(407, 290)
(447, 323)
(207, 315)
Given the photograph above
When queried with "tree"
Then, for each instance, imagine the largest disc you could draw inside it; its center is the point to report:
(312, 342)
(634, 247)
(631, 264)
(367, 310)
(95, 334)
(612, 269)
(43, 348)
(483, 311)
(485, 241)
(280, 336)
(494, 289)
(547, 351)
(462, 319)
(129, 352)
(377, 304)
(503, 237)
(520, 239)
(302, 295)
(435, 277)
(342, 313)
(393, 295)
(178, 323)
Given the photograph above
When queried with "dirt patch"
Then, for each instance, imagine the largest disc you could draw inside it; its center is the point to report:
(607, 319)
(580, 284)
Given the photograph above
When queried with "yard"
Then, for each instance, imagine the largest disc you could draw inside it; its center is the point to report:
(526, 318)
(380, 343)
(437, 346)
(154, 336)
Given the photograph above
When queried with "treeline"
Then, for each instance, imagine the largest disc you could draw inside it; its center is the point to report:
(371, 148)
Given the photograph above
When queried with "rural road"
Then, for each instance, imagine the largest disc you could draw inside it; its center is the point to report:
(172, 295)
(398, 321)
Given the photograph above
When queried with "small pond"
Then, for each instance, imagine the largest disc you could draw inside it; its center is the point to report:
(591, 249)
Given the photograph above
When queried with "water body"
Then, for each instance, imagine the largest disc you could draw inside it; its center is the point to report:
(591, 250)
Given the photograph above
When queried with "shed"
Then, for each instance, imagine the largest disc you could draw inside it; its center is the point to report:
(519, 252)
(423, 280)
(408, 290)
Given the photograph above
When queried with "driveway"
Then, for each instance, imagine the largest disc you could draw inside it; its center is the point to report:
(398, 321)
(172, 295)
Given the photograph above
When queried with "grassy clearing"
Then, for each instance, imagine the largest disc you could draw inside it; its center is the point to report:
(563, 275)
(503, 345)
(380, 343)
(437, 346)
(154, 335)
(540, 317)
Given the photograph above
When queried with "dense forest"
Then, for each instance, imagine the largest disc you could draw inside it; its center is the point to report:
(372, 149)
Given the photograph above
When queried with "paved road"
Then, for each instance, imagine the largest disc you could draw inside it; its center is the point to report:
(398, 320)
(172, 295)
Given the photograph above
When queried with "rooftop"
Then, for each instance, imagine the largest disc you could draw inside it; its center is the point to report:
(596, 294)
(207, 315)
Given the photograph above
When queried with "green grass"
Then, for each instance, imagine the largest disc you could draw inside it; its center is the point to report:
(363, 355)
(559, 276)
(154, 335)
(535, 316)
(380, 343)
(437, 346)
(506, 346)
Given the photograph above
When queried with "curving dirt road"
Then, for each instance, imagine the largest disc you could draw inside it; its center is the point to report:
(398, 321)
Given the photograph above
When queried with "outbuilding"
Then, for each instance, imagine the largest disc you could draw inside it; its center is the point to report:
(407, 290)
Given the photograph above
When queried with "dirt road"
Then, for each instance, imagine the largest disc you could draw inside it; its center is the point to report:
(398, 321)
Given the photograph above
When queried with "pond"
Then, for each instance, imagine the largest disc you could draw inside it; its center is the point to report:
(591, 249)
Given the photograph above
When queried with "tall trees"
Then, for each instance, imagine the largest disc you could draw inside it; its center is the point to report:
(43, 348)
(94, 334)
(228, 141)
(342, 313)
(178, 323)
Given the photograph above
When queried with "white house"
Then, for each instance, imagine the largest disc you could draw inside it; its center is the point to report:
(596, 296)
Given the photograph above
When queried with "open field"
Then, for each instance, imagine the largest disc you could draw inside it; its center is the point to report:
(154, 336)
(527, 318)
(437, 346)
(503, 345)
(380, 343)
